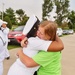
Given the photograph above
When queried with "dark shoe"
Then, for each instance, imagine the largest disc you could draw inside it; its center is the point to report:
(8, 58)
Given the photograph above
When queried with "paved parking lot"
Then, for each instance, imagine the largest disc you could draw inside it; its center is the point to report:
(68, 56)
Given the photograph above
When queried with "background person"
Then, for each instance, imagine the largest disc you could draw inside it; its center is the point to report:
(5, 30)
(2, 48)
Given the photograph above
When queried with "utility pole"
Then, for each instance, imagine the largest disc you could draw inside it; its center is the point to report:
(2, 10)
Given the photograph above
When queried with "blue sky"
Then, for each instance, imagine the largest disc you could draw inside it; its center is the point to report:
(29, 6)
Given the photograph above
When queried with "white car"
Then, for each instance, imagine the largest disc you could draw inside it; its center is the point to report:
(59, 31)
(71, 31)
(65, 32)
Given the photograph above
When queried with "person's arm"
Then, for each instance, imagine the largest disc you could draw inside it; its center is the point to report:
(29, 62)
(24, 42)
(56, 45)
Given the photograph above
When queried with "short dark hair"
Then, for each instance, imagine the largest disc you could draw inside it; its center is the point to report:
(32, 32)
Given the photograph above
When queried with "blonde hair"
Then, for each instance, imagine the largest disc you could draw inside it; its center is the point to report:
(50, 29)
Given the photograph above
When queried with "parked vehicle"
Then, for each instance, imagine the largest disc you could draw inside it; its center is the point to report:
(59, 31)
(70, 31)
(16, 35)
(65, 32)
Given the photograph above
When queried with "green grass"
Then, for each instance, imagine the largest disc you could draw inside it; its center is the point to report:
(13, 46)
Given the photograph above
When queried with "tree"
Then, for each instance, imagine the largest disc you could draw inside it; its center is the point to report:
(22, 17)
(10, 13)
(7, 19)
(71, 18)
(61, 10)
(0, 15)
(23, 22)
(20, 14)
(46, 9)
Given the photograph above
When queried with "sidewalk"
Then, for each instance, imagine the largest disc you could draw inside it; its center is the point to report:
(8, 63)
(68, 56)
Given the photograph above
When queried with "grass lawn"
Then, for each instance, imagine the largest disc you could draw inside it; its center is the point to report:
(13, 46)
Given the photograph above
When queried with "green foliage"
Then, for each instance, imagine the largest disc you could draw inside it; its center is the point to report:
(7, 19)
(71, 18)
(46, 8)
(20, 14)
(18, 18)
(0, 15)
(22, 17)
(10, 13)
(65, 25)
(23, 22)
(61, 10)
